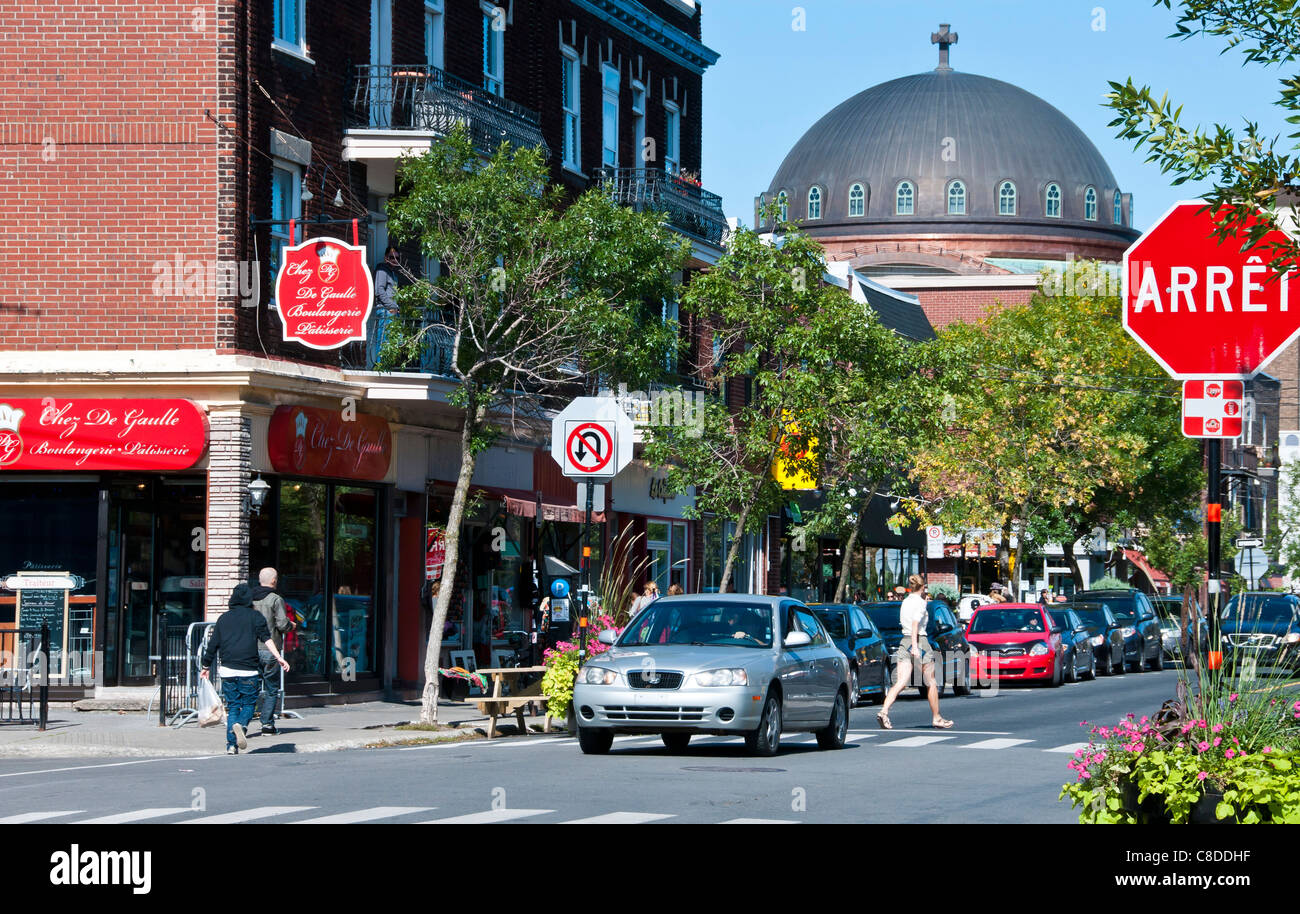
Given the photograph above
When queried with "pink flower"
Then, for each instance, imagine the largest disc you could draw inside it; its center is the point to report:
(1232, 754)
(1217, 740)
(1187, 728)
(1202, 776)
(1268, 749)
(1203, 746)
(1087, 774)
(1078, 753)
(1217, 728)
(1232, 697)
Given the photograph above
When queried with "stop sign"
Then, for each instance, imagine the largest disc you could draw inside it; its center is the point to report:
(1202, 308)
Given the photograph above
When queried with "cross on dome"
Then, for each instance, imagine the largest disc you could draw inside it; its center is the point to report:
(944, 39)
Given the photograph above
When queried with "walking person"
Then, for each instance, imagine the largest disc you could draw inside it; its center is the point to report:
(271, 605)
(236, 638)
(912, 650)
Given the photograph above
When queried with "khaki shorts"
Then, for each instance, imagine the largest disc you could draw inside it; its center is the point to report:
(904, 652)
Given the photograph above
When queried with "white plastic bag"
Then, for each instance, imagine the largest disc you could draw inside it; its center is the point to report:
(211, 709)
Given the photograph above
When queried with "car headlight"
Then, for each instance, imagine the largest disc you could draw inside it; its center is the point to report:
(727, 677)
(1097, 641)
(1039, 649)
(1128, 632)
(596, 675)
(1292, 638)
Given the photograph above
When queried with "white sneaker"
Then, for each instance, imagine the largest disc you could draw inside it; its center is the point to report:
(240, 739)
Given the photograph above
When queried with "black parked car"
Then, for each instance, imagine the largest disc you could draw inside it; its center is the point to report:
(1080, 661)
(854, 634)
(1143, 646)
(945, 635)
(1169, 610)
(1105, 635)
(1261, 634)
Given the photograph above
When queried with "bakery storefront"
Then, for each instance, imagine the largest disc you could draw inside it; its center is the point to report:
(321, 525)
(104, 507)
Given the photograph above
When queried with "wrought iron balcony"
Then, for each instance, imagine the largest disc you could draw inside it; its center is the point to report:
(427, 99)
(690, 208)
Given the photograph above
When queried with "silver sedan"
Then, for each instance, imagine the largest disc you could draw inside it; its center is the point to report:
(727, 664)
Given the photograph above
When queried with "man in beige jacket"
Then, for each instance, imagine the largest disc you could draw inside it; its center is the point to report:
(271, 605)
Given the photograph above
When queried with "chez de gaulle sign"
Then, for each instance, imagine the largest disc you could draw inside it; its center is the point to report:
(323, 293)
(56, 433)
(310, 441)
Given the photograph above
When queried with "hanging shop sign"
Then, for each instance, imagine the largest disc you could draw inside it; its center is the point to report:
(308, 441)
(435, 552)
(53, 433)
(324, 292)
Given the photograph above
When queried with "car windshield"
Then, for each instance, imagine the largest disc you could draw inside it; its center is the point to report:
(1123, 609)
(1095, 619)
(1061, 619)
(885, 615)
(1007, 620)
(1258, 608)
(835, 620)
(701, 622)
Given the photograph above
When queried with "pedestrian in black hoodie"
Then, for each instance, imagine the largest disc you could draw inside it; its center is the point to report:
(236, 637)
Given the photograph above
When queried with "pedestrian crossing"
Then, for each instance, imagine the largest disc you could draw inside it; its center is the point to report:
(376, 814)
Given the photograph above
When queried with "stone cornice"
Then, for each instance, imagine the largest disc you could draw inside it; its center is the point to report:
(636, 21)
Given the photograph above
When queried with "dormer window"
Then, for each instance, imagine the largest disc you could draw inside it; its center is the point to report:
(857, 200)
(1006, 199)
(783, 201)
(956, 199)
(1119, 209)
(1090, 204)
(815, 202)
(905, 205)
(1053, 208)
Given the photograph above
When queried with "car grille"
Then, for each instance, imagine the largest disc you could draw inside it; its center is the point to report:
(653, 713)
(644, 679)
(1254, 640)
(1002, 650)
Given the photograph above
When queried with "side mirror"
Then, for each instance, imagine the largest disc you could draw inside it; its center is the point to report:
(608, 636)
(863, 634)
(797, 639)
(943, 628)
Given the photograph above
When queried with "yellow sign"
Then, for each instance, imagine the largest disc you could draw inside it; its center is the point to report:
(784, 469)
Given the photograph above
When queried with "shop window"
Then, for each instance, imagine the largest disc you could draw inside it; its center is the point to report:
(302, 558)
(353, 580)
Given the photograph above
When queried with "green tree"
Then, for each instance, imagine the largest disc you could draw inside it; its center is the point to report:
(1247, 169)
(534, 294)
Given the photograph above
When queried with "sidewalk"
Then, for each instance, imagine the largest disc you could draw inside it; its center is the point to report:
(135, 734)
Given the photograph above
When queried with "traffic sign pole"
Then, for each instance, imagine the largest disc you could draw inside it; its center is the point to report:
(1213, 528)
(584, 617)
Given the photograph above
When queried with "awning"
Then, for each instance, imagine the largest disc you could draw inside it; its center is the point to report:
(522, 503)
(1140, 560)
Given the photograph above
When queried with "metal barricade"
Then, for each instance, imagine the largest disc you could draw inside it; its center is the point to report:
(184, 662)
(24, 676)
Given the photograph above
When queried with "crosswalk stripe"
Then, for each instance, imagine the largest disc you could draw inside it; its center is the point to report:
(137, 815)
(760, 822)
(37, 816)
(856, 737)
(917, 741)
(996, 743)
(365, 815)
(247, 815)
(489, 817)
(1068, 747)
(620, 818)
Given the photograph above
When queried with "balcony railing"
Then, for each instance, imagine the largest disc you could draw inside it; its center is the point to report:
(427, 99)
(690, 208)
(435, 352)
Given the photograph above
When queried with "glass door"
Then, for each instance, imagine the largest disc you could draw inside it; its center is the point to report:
(135, 628)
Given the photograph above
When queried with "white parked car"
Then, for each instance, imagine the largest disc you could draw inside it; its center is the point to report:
(967, 605)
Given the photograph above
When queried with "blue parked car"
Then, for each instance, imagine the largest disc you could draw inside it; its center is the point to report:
(858, 639)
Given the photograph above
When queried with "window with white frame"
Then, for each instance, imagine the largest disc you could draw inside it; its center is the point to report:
(434, 50)
(814, 202)
(1053, 208)
(1118, 216)
(638, 124)
(289, 29)
(906, 202)
(1006, 199)
(783, 201)
(672, 138)
(1090, 204)
(857, 200)
(609, 82)
(494, 49)
(956, 199)
(286, 204)
(569, 102)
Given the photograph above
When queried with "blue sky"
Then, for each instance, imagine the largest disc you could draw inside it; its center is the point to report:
(773, 82)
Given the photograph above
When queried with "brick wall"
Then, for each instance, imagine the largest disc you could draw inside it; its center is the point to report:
(943, 306)
(230, 452)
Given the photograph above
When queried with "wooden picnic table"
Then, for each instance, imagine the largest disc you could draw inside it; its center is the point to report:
(498, 704)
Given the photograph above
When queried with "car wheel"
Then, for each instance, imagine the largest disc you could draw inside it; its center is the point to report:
(885, 682)
(961, 683)
(853, 686)
(595, 740)
(1071, 673)
(1139, 664)
(766, 739)
(1158, 662)
(676, 742)
(1091, 674)
(837, 731)
(1058, 674)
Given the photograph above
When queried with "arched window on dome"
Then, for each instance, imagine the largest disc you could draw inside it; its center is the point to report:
(1006, 199)
(857, 200)
(783, 201)
(1090, 204)
(815, 202)
(906, 203)
(1053, 208)
(956, 199)
(1118, 218)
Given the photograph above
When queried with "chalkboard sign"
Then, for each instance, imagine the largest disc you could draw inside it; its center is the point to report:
(49, 606)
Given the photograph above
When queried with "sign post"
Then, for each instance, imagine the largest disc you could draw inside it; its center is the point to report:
(1206, 309)
(591, 440)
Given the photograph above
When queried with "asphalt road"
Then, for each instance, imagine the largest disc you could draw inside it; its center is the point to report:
(1004, 762)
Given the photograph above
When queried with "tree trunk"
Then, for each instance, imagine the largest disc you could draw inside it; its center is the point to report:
(847, 561)
(1004, 555)
(1073, 560)
(734, 549)
(474, 415)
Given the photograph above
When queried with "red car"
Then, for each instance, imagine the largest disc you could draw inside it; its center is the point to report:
(1013, 641)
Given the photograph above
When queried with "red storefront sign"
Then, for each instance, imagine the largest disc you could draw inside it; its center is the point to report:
(435, 555)
(56, 433)
(323, 293)
(307, 441)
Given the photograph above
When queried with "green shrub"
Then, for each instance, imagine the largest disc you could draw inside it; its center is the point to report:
(1110, 582)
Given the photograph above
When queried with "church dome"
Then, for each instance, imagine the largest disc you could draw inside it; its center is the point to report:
(945, 152)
